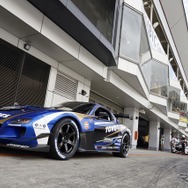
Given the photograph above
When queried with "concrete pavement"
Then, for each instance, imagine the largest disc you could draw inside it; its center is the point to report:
(142, 169)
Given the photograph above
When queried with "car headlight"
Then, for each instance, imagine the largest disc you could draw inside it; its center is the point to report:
(19, 121)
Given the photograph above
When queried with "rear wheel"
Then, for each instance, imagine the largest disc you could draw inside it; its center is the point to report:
(125, 146)
(64, 139)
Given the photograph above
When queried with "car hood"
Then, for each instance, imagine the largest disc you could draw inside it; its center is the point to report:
(13, 111)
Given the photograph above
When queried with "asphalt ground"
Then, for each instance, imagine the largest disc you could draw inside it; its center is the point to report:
(141, 169)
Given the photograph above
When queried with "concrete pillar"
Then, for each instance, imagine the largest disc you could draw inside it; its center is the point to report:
(133, 124)
(154, 132)
(167, 139)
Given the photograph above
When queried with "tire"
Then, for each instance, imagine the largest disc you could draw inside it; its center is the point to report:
(125, 146)
(64, 139)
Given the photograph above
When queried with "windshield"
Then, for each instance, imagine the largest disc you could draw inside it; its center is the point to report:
(80, 107)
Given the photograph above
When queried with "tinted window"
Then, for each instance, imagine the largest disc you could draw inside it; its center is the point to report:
(80, 107)
(103, 114)
(100, 13)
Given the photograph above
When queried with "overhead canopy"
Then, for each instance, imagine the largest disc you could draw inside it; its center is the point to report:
(73, 22)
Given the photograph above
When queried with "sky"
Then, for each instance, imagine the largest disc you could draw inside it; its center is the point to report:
(185, 2)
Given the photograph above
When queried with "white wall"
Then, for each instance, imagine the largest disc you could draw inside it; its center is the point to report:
(137, 4)
(154, 131)
(53, 98)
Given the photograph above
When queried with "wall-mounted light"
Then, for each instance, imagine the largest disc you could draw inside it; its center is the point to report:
(83, 92)
(27, 46)
(142, 111)
(146, 4)
(155, 25)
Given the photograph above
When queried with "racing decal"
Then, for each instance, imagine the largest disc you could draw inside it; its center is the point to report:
(103, 123)
(107, 147)
(18, 146)
(80, 116)
(86, 125)
(9, 116)
(4, 115)
(112, 143)
(41, 126)
(114, 128)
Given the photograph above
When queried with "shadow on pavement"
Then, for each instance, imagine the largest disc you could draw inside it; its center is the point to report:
(15, 152)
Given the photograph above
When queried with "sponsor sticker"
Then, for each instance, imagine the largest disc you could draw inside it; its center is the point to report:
(39, 126)
(4, 115)
(113, 128)
(86, 125)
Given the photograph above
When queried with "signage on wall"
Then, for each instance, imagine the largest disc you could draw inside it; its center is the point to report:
(152, 36)
(183, 117)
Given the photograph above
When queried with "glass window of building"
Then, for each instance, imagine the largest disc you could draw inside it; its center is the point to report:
(134, 44)
(145, 53)
(183, 107)
(173, 99)
(130, 34)
(100, 13)
(172, 74)
(185, 4)
(183, 112)
(156, 76)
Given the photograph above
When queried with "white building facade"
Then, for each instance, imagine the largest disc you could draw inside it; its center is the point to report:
(122, 54)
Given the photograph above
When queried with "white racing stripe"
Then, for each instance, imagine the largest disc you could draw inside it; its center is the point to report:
(41, 126)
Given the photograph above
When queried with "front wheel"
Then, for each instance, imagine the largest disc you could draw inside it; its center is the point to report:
(125, 146)
(64, 139)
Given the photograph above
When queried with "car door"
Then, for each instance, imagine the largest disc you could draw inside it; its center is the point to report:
(105, 127)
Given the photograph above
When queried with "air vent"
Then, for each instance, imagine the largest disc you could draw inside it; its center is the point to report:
(65, 86)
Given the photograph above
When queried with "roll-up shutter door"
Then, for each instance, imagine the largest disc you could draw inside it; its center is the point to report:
(33, 82)
(66, 86)
(94, 97)
(10, 64)
(23, 78)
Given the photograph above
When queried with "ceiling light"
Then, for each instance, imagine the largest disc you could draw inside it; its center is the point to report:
(155, 25)
(142, 111)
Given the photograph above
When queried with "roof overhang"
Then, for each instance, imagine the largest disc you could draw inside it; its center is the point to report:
(62, 13)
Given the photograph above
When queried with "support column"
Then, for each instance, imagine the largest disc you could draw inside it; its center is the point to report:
(167, 139)
(154, 135)
(133, 124)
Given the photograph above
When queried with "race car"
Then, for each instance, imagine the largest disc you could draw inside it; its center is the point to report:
(65, 129)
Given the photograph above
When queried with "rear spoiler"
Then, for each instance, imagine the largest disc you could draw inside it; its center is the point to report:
(124, 116)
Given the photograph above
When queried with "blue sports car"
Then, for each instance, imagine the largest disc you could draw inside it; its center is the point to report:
(65, 129)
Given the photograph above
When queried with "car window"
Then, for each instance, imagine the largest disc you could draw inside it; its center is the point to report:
(102, 113)
(84, 109)
(80, 107)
